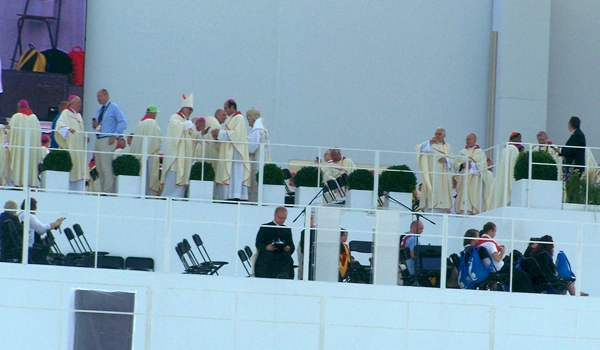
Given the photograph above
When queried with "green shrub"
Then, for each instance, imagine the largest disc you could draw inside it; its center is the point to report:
(575, 188)
(307, 176)
(273, 175)
(58, 160)
(126, 165)
(196, 172)
(361, 179)
(539, 171)
(397, 181)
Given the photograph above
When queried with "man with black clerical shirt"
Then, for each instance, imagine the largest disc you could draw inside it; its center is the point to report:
(275, 248)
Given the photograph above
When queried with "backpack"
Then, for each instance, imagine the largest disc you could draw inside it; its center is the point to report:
(563, 266)
(57, 62)
(471, 270)
(32, 61)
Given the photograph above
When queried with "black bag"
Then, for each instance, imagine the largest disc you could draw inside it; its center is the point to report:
(32, 60)
(58, 62)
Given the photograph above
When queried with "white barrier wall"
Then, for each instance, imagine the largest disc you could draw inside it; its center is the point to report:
(181, 311)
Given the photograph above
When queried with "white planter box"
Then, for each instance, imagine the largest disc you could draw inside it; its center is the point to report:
(359, 199)
(402, 197)
(305, 194)
(273, 194)
(128, 185)
(55, 180)
(543, 194)
(201, 189)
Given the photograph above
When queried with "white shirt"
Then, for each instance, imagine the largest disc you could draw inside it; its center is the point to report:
(491, 248)
(34, 226)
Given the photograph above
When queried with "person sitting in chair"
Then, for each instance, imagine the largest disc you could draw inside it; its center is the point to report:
(410, 241)
(9, 250)
(37, 231)
(275, 248)
(547, 276)
(520, 279)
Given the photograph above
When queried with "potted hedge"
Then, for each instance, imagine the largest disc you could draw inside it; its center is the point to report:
(307, 185)
(360, 189)
(542, 190)
(202, 177)
(273, 184)
(55, 170)
(399, 183)
(575, 192)
(127, 170)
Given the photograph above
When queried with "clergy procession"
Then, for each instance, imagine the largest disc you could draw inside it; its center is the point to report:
(461, 182)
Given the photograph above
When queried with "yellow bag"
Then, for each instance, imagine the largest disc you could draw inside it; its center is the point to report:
(32, 60)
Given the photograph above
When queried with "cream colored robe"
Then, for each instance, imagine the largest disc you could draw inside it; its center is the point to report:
(489, 186)
(4, 158)
(149, 128)
(557, 158)
(258, 135)
(333, 170)
(74, 143)
(592, 171)
(211, 148)
(505, 175)
(179, 150)
(468, 181)
(436, 192)
(235, 128)
(20, 124)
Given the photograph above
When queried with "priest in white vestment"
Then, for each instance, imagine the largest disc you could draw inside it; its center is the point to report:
(207, 147)
(547, 146)
(338, 165)
(258, 135)
(505, 174)
(21, 123)
(434, 158)
(179, 151)
(232, 177)
(489, 186)
(4, 158)
(69, 134)
(148, 129)
(469, 165)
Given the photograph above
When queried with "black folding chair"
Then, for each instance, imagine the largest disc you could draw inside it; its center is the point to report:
(248, 251)
(286, 176)
(78, 257)
(214, 265)
(139, 264)
(360, 273)
(183, 251)
(245, 259)
(56, 257)
(111, 262)
(80, 234)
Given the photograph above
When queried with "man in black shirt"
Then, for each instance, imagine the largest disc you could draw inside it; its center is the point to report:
(275, 248)
(573, 156)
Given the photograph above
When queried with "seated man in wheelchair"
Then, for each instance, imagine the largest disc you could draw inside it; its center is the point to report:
(408, 242)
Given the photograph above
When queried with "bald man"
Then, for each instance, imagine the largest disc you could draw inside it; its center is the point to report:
(469, 166)
(435, 163)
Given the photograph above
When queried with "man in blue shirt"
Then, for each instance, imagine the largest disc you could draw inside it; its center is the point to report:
(109, 124)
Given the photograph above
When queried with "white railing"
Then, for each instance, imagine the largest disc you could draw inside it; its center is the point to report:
(151, 228)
